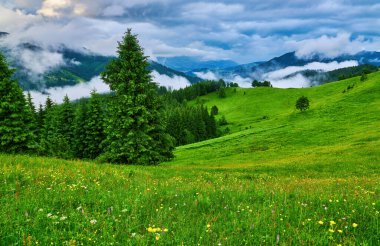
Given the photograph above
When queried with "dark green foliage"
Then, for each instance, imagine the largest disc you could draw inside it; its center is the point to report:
(222, 92)
(349, 72)
(223, 121)
(193, 91)
(189, 124)
(80, 124)
(94, 128)
(232, 85)
(15, 115)
(58, 133)
(135, 131)
(302, 103)
(214, 110)
(257, 83)
(364, 77)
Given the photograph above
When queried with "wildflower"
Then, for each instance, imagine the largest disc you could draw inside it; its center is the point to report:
(93, 222)
(339, 245)
(208, 225)
(49, 215)
(63, 218)
(340, 231)
(332, 223)
(331, 230)
(166, 230)
(150, 229)
(320, 222)
(354, 225)
(157, 236)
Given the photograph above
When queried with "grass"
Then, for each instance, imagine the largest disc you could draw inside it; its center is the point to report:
(289, 178)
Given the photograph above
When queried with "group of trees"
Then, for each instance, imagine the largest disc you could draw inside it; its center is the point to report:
(133, 124)
(189, 124)
(129, 128)
(257, 83)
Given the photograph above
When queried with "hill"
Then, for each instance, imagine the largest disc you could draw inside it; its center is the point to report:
(281, 177)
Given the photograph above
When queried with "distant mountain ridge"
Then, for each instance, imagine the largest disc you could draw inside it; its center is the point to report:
(186, 64)
(257, 70)
(78, 67)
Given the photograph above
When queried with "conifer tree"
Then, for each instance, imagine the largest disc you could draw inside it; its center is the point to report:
(94, 127)
(48, 132)
(64, 140)
(80, 119)
(15, 135)
(135, 130)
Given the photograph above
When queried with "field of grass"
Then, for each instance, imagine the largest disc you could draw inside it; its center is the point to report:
(281, 177)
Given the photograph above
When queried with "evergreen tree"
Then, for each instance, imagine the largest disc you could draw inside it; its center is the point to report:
(214, 110)
(222, 92)
(49, 130)
(15, 134)
(81, 116)
(94, 127)
(135, 131)
(65, 130)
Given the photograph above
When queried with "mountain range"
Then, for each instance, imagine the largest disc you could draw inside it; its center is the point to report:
(40, 68)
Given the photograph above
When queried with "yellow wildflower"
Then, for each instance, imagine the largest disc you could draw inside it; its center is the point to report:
(331, 230)
(354, 225)
(340, 231)
(208, 225)
(157, 237)
(166, 230)
(332, 223)
(320, 222)
(150, 229)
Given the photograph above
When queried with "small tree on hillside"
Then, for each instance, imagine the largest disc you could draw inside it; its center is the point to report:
(214, 110)
(222, 92)
(364, 77)
(302, 103)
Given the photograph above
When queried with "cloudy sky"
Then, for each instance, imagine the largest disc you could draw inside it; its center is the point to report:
(240, 30)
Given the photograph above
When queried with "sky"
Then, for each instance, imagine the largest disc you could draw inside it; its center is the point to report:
(242, 30)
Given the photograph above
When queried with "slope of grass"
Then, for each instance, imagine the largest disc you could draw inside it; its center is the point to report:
(291, 178)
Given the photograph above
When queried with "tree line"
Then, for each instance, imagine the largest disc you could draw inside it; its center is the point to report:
(133, 124)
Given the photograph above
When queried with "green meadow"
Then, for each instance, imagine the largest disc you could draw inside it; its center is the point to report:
(279, 177)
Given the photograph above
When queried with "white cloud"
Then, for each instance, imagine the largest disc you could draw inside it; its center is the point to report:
(175, 82)
(38, 62)
(73, 92)
(206, 75)
(207, 10)
(297, 81)
(279, 78)
(332, 46)
(319, 66)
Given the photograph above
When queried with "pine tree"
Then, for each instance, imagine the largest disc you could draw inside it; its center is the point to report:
(135, 131)
(80, 119)
(65, 130)
(94, 127)
(48, 132)
(15, 134)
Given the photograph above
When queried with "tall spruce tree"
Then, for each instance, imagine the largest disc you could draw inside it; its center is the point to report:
(65, 130)
(94, 127)
(15, 134)
(135, 132)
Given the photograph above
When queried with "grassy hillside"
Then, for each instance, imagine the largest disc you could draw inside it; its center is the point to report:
(281, 177)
